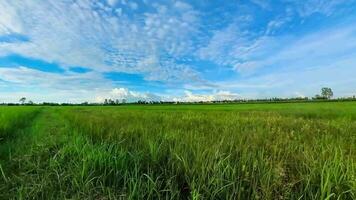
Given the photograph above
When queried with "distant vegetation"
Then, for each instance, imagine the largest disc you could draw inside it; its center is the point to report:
(325, 95)
(244, 151)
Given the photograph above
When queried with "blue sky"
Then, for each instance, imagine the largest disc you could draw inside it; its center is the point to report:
(89, 50)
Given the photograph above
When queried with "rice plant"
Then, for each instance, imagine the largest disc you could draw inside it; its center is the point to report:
(257, 151)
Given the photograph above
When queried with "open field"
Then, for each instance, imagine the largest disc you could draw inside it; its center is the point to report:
(243, 151)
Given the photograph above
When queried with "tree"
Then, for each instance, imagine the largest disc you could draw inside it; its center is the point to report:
(111, 102)
(326, 92)
(23, 100)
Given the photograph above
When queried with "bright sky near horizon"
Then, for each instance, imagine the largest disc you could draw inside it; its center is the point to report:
(89, 50)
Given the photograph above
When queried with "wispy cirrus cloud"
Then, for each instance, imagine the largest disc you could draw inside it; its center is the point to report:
(309, 7)
(28, 77)
(248, 51)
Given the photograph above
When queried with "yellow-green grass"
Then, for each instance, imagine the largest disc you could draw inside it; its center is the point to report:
(242, 151)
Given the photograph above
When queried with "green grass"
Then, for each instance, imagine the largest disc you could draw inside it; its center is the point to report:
(14, 118)
(243, 151)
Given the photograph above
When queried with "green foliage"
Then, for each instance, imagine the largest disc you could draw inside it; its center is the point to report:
(326, 92)
(251, 151)
(23, 100)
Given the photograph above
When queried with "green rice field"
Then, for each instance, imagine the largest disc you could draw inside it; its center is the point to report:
(228, 151)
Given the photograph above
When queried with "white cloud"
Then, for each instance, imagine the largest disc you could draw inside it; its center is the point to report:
(306, 8)
(215, 96)
(222, 43)
(112, 36)
(278, 23)
(291, 81)
(325, 7)
(112, 2)
(69, 87)
(127, 95)
(133, 5)
(87, 33)
(44, 86)
(247, 67)
(313, 50)
(234, 48)
(9, 22)
(38, 97)
(183, 6)
(23, 76)
(247, 54)
(188, 96)
(264, 4)
(284, 65)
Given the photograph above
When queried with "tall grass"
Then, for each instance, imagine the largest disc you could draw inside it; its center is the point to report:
(289, 151)
(13, 118)
(226, 154)
(12, 122)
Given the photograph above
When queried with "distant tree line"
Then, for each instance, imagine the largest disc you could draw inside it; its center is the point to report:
(326, 94)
